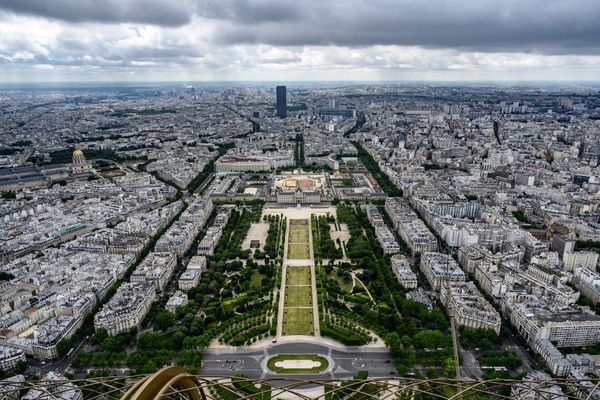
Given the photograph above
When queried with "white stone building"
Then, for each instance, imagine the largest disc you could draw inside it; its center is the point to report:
(127, 308)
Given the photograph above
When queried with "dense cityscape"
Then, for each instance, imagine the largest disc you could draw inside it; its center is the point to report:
(337, 231)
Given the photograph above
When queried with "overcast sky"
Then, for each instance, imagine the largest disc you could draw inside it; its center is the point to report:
(133, 40)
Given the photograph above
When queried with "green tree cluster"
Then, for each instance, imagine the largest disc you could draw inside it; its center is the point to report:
(500, 358)
(384, 181)
(479, 338)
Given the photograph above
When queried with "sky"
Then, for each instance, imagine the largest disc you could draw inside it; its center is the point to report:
(281, 40)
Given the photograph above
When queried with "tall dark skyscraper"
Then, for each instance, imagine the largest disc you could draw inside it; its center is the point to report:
(281, 102)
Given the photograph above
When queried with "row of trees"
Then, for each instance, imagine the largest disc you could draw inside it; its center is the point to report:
(272, 243)
(229, 246)
(384, 181)
(208, 168)
(299, 150)
(246, 330)
(592, 245)
(484, 339)
(508, 359)
(344, 330)
(322, 243)
(152, 351)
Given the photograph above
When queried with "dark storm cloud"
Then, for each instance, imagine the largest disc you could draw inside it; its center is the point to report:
(547, 26)
(544, 26)
(254, 11)
(156, 12)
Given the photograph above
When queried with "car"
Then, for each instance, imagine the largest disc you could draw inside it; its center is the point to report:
(274, 341)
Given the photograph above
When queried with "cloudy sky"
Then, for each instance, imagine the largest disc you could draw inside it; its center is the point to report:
(133, 40)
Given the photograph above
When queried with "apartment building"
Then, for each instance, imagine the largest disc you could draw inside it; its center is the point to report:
(127, 308)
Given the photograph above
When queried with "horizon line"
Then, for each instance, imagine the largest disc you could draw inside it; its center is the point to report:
(291, 81)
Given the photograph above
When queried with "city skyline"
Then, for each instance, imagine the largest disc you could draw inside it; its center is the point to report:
(266, 40)
(377, 231)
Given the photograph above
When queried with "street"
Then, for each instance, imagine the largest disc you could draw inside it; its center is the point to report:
(249, 362)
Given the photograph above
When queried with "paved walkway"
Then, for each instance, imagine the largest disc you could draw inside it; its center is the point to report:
(313, 283)
(282, 287)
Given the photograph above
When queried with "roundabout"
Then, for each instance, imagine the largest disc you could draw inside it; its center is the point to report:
(298, 364)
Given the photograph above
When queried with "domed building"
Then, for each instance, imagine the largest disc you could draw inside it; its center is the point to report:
(80, 164)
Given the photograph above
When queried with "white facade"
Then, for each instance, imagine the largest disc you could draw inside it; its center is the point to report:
(440, 268)
(126, 309)
(156, 268)
(189, 279)
(9, 358)
(410, 228)
(403, 272)
(385, 237)
(584, 259)
(471, 309)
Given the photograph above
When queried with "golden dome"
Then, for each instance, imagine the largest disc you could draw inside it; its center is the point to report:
(77, 151)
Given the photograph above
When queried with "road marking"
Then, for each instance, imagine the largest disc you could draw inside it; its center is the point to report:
(339, 369)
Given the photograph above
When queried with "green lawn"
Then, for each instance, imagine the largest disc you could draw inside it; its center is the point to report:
(256, 280)
(298, 251)
(298, 296)
(298, 231)
(298, 239)
(347, 286)
(298, 276)
(272, 363)
(298, 321)
(298, 234)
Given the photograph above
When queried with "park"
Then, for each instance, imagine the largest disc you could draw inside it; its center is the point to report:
(298, 308)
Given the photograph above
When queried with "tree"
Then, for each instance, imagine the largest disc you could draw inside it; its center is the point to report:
(437, 318)
(432, 373)
(21, 367)
(479, 338)
(449, 367)
(392, 340)
(178, 338)
(111, 344)
(5, 276)
(101, 335)
(63, 347)
(164, 320)
(149, 341)
(148, 368)
(9, 195)
(431, 339)
(402, 369)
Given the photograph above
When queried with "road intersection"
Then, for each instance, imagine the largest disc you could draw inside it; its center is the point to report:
(347, 361)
